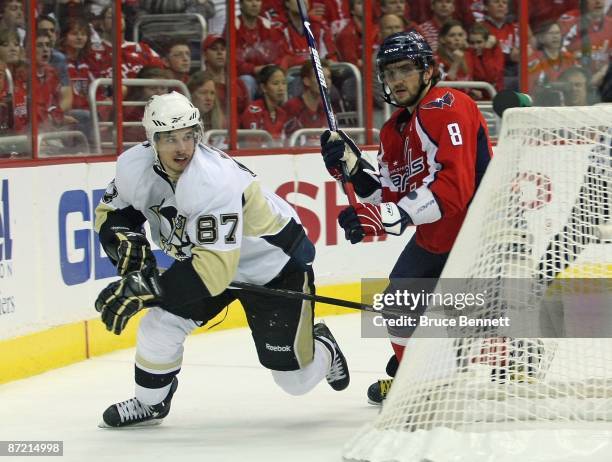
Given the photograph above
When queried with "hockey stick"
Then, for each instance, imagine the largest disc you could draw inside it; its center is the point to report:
(303, 296)
(347, 186)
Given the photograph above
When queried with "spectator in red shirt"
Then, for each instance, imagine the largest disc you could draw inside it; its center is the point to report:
(134, 55)
(135, 133)
(296, 42)
(48, 25)
(506, 35)
(215, 59)
(257, 43)
(14, 117)
(306, 110)
(589, 37)
(550, 59)
(49, 111)
(267, 113)
(350, 39)
(443, 11)
(178, 59)
(549, 11)
(331, 13)
(454, 62)
(487, 62)
(470, 12)
(75, 39)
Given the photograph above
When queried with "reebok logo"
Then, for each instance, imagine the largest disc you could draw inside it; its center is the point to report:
(278, 348)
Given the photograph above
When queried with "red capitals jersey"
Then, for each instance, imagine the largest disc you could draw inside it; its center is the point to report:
(300, 116)
(507, 34)
(442, 146)
(298, 46)
(259, 46)
(134, 56)
(258, 117)
(80, 78)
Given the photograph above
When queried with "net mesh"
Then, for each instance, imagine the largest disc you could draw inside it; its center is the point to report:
(541, 217)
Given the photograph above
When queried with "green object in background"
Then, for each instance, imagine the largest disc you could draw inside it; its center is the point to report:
(506, 99)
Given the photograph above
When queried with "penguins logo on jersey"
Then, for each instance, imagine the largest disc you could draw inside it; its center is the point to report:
(110, 193)
(173, 239)
(447, 100)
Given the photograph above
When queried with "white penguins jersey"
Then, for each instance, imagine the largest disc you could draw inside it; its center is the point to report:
(218, 213)
(141, 183)
(240, 231)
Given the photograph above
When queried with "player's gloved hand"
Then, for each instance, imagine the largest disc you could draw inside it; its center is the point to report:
(122, 299)
(338, 147)
(133, 253)
(360, 221)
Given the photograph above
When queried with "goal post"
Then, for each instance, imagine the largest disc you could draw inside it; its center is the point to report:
(541, 216)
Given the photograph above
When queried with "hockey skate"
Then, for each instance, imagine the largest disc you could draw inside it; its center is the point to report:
(338, 375)
(377, 392)
(133, 413)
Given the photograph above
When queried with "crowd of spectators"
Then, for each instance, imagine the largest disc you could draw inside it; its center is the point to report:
(474, 40)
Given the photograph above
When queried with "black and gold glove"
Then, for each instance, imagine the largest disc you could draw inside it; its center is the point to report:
(133, 253)
(122, 299)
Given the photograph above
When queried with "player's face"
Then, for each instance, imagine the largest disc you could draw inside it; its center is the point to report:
(13, 14)
(403, 79)
(175, 149)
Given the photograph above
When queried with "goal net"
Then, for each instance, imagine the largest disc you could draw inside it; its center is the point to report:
(539, 232)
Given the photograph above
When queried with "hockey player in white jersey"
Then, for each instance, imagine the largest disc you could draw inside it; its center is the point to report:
(220, 225)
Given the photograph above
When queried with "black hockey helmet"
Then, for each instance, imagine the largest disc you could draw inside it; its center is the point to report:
(404, 45)
(407, 45)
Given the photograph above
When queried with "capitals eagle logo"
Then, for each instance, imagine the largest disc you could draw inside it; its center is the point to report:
(446, 100)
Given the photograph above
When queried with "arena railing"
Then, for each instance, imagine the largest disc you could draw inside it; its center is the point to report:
(310, 136)
(158, 29)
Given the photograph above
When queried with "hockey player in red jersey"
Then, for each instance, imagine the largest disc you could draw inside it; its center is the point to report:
(433, 153)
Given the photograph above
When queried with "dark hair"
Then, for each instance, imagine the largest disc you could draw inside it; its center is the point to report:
(266, 72)
(173, 43)
(448, 25)
(479, 29)
(75, 22)
(8, 34)
(47, 18)
(573, 71)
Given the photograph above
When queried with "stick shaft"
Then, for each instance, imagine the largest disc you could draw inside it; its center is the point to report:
(302, 296)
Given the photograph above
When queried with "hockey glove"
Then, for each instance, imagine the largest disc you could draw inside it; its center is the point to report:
(122, 299)
(337, 147)
(372, 220)
(133, 253)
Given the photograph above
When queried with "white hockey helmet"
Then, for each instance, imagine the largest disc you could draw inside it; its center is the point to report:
(167, 112)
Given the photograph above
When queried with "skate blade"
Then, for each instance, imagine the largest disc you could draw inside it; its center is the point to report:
(147, 423)
(374, 403)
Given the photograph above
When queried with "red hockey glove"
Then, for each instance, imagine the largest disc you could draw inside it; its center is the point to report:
(360, 221)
